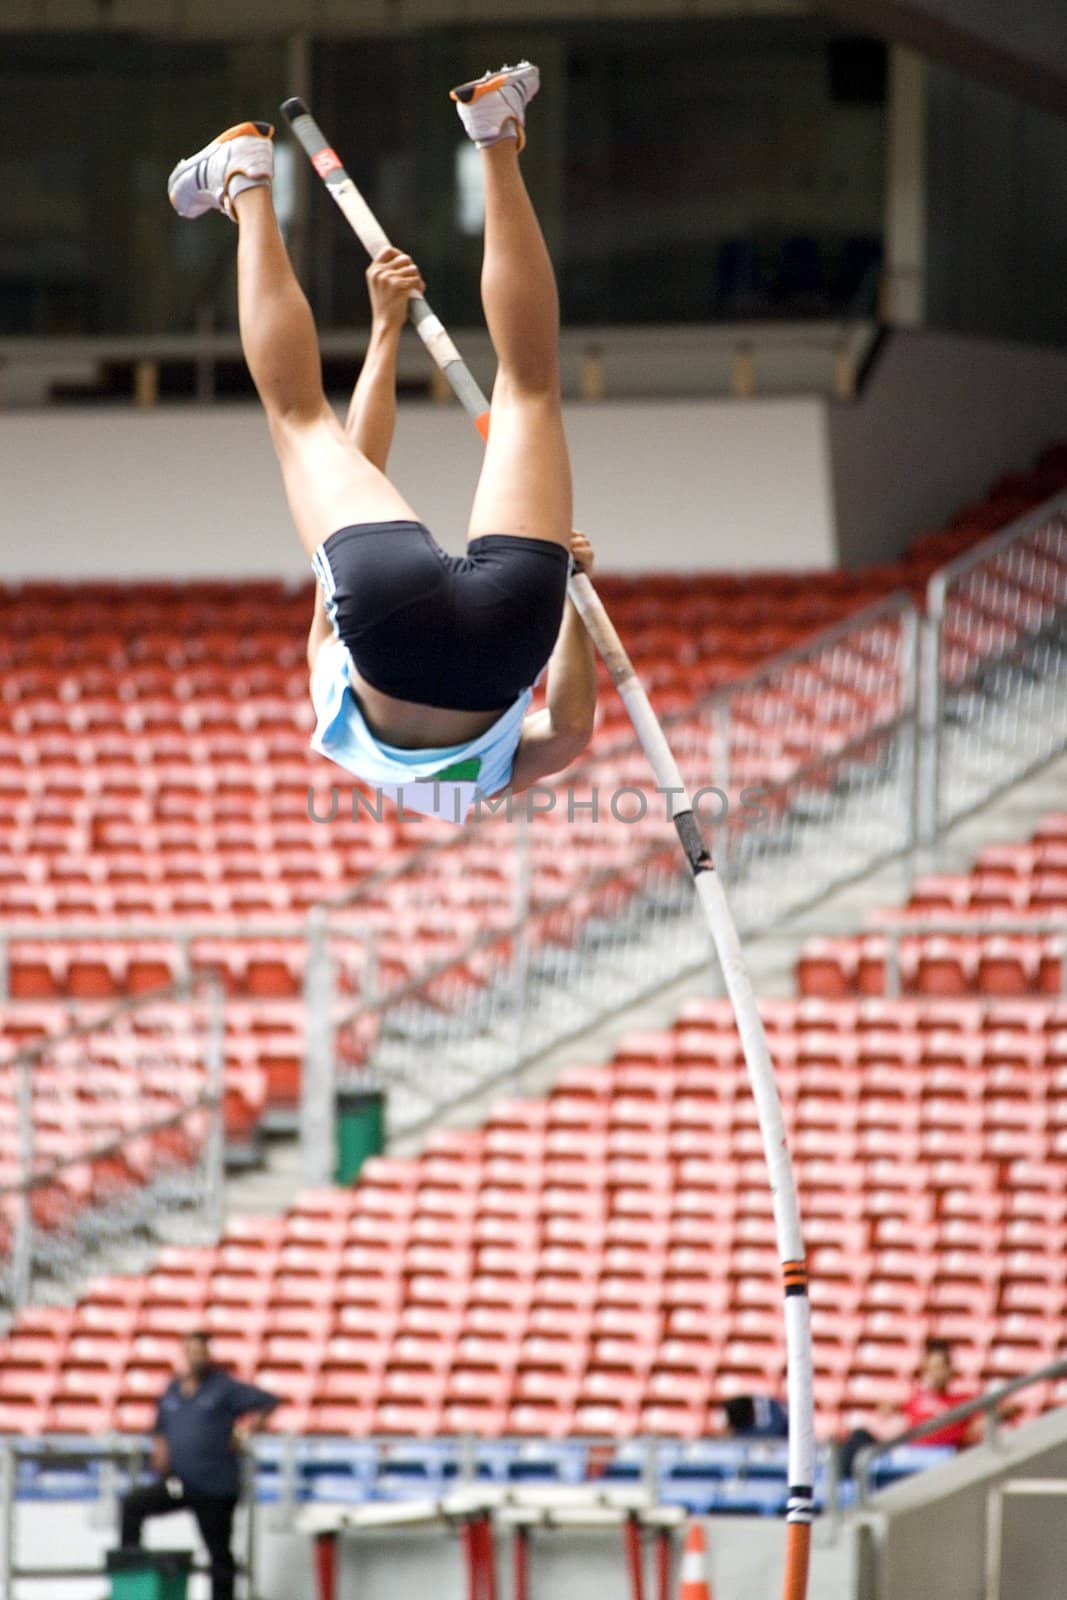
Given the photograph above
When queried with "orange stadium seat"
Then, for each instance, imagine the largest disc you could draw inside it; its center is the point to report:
(601, 1260)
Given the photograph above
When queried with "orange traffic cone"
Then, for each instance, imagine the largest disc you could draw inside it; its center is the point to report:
(696, 1585)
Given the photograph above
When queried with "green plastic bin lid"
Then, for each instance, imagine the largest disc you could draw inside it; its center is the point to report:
(169, 1563)
(359, 1099)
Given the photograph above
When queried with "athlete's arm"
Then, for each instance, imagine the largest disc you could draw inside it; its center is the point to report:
(391, 277)
(553, 738)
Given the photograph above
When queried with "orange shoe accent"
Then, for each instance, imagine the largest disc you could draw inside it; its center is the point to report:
(695, 1584)
(258, 130)
(474, 91)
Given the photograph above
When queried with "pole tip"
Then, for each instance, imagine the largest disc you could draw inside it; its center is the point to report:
(294, 107)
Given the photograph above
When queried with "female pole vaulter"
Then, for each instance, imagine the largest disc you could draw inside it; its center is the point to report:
(422, 664)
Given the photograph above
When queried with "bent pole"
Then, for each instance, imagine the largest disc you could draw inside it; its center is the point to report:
(706, 882)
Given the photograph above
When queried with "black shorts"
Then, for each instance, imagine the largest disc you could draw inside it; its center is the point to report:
(468, 633)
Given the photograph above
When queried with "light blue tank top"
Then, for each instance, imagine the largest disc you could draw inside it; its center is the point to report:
(443, 782)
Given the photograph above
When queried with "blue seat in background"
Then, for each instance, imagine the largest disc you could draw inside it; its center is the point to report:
(413, 1468)
(768, 1461)
(541, 1461)
(336, 1470)
(754, 1497)
(709, 1458)
(908, 1459)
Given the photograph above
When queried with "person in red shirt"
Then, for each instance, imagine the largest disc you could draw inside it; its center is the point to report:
(937, 1392)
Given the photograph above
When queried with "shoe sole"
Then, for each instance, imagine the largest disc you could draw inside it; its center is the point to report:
(259, 130)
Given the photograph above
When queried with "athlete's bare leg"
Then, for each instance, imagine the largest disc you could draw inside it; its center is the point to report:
(329, 482)
(525, 483)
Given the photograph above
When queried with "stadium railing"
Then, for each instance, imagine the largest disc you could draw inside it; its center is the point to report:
(814, 764)
(114, 1130)
(911, 722)
(994, 667)
(988, 1405)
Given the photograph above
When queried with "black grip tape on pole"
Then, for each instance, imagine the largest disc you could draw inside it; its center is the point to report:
(692, 840)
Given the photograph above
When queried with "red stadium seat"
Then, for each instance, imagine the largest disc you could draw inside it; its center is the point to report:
(23, 1418)
(331, 1417)
(668, 1420)
(606, 1261)
(407, 1417)
(78, 1416)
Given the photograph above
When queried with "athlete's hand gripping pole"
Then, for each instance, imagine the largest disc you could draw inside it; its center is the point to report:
(706, 880)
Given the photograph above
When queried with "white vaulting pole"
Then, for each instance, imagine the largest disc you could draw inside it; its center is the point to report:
(706, 881)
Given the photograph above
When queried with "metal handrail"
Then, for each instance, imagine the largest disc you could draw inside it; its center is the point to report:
(209, 1099)
(604, 877)
(27, 1054)
(934, 687)
(988, 1402)
(412, 987)
(206, 1100)
(184, 934)
(1030, 522)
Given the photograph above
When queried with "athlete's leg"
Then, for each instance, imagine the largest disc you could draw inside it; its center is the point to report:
(330, 484)
(525, 483)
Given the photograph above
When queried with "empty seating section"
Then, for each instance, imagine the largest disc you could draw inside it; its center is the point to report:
(603, 1261)
(599, 1262)
(154, 769)
(985, 948)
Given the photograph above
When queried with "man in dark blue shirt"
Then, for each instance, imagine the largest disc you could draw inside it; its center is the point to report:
(203, 1418)
(753, 1416)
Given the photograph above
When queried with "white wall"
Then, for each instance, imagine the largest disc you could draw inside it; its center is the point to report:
(666, 485)
(941, 417)
(184, 491)
(931, 1533)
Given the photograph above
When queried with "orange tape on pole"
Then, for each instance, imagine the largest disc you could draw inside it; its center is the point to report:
(797, 1559)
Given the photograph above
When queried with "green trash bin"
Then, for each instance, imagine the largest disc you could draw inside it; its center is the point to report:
(149, 1574)
(360, 1130)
